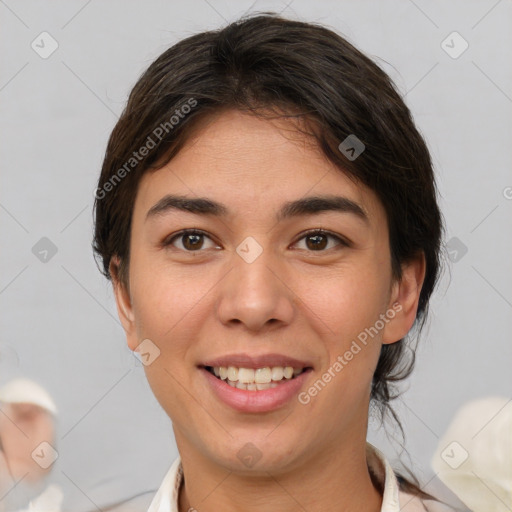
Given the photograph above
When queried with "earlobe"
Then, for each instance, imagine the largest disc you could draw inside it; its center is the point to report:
(123, 303)
(404, 299)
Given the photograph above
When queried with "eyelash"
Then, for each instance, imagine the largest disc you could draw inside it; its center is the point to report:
(319, 231)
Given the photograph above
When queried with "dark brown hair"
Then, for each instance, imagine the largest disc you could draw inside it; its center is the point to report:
(271, 66)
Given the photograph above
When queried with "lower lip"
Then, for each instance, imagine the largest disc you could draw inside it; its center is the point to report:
(264, 400)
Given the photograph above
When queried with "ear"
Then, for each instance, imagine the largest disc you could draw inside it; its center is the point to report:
(404, 298)
(123, 303)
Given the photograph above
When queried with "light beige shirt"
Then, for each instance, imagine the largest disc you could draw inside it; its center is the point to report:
(393, 500)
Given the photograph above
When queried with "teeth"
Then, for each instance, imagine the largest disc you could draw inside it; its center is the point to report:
(232, 373)
(263, 375)
(245, 375)
(252, 386)
(255, 379)
(277, 373)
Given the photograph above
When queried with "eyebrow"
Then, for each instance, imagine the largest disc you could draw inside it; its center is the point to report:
(300, 207)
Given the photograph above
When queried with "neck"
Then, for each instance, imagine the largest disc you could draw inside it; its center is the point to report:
(334, 481)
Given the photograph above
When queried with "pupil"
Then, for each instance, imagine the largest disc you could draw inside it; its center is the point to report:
(192, 241)
(319, 241)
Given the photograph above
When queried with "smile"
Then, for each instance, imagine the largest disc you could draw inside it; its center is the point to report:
(258, 379)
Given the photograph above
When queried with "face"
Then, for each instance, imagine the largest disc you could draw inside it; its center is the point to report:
(262, 279)
(23, 427)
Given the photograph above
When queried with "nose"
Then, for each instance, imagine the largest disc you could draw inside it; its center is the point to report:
(255, 295)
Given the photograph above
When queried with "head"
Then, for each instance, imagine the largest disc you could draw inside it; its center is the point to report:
(28, 417)
(257, 116)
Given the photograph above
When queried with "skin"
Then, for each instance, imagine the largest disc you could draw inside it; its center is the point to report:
(293, 299)
(23, 427)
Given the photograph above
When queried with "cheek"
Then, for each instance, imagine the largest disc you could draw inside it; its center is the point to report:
(343, 384)
(346, 306)
(170, 306)
(343, 302)
(164, 297)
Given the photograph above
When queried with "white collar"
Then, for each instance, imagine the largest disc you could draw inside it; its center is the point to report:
(393, 500)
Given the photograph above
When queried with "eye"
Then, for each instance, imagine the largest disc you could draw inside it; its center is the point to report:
(191, 240)
(317, 240)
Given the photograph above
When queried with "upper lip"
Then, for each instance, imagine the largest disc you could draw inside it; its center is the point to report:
(261, 361)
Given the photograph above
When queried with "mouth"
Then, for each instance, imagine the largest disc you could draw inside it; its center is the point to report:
(256, 379)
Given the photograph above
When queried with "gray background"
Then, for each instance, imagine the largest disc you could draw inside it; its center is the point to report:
(59, 325)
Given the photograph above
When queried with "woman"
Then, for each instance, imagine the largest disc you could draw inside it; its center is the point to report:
(267, 213)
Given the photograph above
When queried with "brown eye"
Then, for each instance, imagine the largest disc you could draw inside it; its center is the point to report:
(192, 241)
(318, 241)
(189, 241)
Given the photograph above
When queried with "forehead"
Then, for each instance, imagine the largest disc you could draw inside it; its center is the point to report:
(254, 165)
